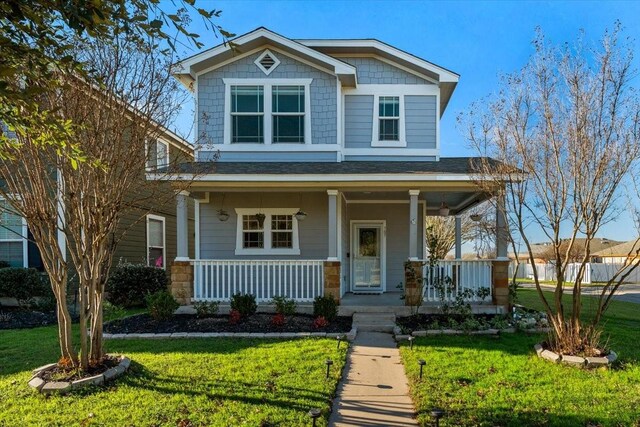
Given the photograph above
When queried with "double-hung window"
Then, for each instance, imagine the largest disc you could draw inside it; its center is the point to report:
(389, 118)
(247, 114)
(157, 155)
(275, 234)
(288, 114)
(13, 232)
(156, 254)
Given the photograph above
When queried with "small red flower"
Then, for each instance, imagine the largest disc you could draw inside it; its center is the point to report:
(234, 317)
(278, 320)
(320, 322)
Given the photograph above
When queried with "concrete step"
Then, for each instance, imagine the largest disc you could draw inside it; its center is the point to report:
(374, 322)
(375, 328)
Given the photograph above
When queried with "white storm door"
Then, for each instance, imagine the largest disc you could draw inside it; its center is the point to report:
(368, 257)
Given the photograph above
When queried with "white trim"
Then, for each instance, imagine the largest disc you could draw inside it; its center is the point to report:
(197, 226)
(267, 250)
(267, 85)
(279, 147)
(24, 234)
(391, 151)
(362, 178)
(164, 238)
(159, 143)
(339, 115)
(276, 62)
(383, 252)
(392, 90)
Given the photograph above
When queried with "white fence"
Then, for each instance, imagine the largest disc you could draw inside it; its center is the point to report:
(218, 280)
(594, 272)
(455, 276)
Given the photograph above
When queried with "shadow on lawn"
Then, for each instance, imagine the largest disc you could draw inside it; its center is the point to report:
(507, 416)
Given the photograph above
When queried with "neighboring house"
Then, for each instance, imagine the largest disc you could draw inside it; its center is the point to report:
(621, 253)
(321, 161)
(150, 241)
(543, 252)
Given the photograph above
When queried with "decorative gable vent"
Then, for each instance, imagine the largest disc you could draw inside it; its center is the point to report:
(267, 62)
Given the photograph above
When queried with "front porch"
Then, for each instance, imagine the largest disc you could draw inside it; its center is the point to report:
(348, 243)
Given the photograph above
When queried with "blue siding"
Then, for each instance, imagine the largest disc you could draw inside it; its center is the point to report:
(324, 104)
(374, 71)
(382, 158)
(420, 121)
(358, 121)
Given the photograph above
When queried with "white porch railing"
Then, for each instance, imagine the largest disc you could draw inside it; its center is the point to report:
(454, 276)
(218, 280)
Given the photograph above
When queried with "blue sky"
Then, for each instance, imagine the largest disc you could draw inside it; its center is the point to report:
(478, 40)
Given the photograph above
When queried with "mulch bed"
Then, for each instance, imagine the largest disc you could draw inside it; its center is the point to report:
(16, 318)
(258, 323)
(60, 373)
(419, 322)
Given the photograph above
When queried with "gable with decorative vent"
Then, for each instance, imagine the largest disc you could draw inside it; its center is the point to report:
(267, 62)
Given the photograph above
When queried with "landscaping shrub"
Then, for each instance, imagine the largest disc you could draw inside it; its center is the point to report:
(112, 311)
(129, 284)
(206, 308)
(325, 306)
(161, 305)
(320, 322)
(278, 320)
(23, 284)
(234, 317)
(285, 306)
(4, 264)
(245, 304)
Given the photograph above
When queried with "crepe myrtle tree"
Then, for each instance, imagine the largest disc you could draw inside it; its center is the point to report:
(113, 123)
(566, 130)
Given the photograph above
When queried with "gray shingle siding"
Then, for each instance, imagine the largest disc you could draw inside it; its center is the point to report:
(420, 121)
(358, 121)
(374, 71)
(323, 96)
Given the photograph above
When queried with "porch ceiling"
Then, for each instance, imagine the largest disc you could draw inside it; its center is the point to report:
(458, 201)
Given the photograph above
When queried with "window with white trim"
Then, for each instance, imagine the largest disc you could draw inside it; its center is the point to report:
(13, 232)
(288, 114)
(247, 114)
(389, 118)
(156, 243)
(157, 155)
(277, 235)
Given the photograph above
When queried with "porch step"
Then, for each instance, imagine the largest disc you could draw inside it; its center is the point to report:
(374, 322)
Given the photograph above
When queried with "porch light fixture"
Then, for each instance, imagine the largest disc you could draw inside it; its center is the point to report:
(301, 215)
(223, 215)
(260, 218)
(444, 209)
(475, 217)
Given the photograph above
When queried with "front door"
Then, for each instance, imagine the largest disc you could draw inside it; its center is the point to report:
(368, 257)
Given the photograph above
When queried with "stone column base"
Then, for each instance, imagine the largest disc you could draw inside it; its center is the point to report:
(332, 279)
(413, 282)
(181, 286)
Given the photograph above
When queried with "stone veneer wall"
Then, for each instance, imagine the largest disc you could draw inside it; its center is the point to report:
(412, 282)
(500, 281)
(332, 279)
(182, 281)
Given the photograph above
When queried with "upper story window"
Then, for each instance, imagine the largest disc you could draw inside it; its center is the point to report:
(13, 232)
(267, 111)
(288, 113)
(389, 118)
(157, 155)
(275, 234)
(247, 114)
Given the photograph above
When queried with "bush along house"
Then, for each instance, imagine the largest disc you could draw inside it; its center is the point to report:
(321, 160)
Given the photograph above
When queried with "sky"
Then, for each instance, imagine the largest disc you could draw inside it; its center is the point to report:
(480, 40)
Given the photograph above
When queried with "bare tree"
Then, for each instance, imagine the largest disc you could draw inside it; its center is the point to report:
(114, 117)
(476, 225)
(566, 132)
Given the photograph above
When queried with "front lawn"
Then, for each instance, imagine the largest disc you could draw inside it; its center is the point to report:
(182, 382)
(487, 381)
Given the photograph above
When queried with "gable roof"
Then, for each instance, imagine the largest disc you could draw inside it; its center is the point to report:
(187, 69)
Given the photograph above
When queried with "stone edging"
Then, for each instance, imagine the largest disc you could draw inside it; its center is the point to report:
(350, 336)
(61, 387)
(587, 362)
(400, 337)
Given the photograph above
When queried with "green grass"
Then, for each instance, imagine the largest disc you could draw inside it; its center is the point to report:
(499, 381)
(209, 382)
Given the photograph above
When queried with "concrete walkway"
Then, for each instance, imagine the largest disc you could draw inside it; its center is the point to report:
(374, 390)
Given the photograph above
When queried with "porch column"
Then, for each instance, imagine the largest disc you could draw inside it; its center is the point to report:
(458, 237)
(332, 225)
(413, 224)
(502, 232)
(182, 226)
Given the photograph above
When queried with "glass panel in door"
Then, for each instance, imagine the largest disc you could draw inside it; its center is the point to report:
(366, 262)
